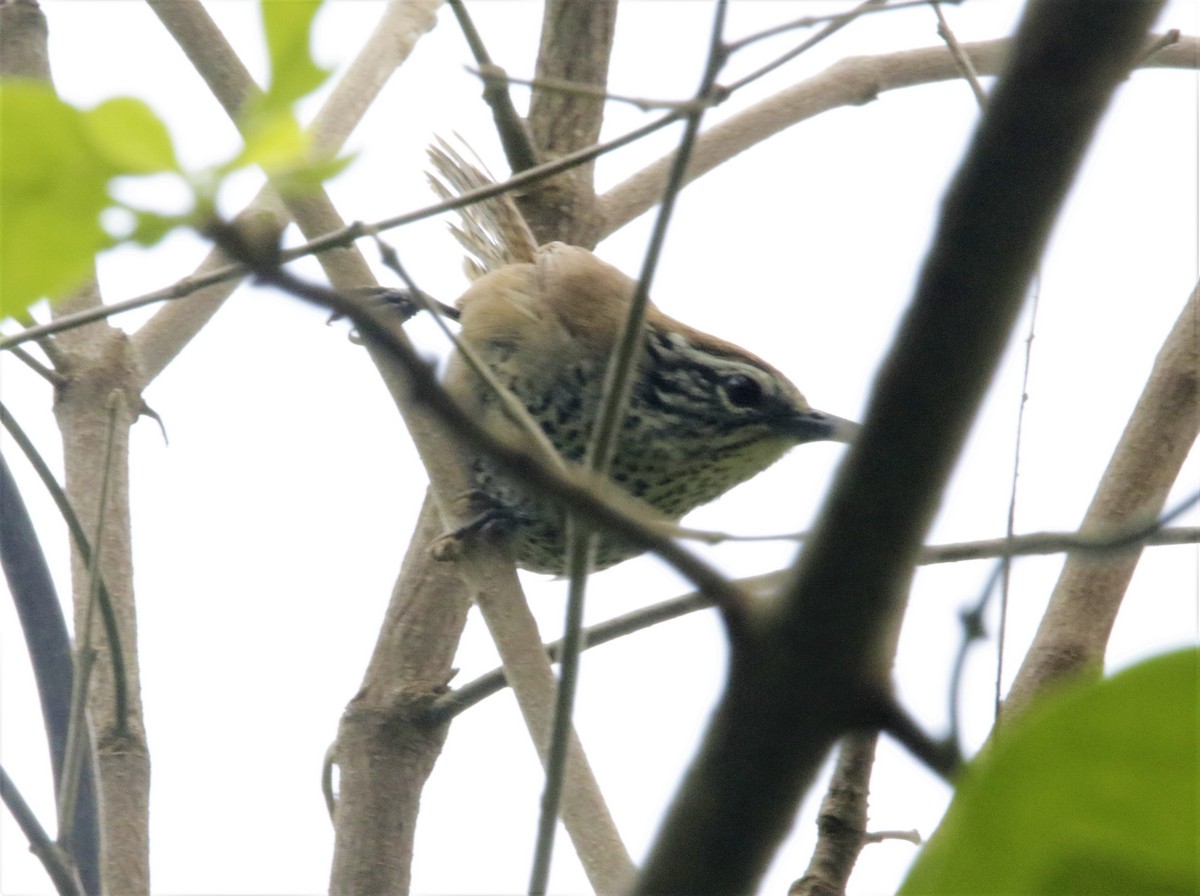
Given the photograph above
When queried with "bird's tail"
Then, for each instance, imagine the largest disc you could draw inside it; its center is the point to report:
(494, 231)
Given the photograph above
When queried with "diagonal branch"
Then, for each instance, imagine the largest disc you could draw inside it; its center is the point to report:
(489, 575)
(356, 865)
(400, 26)
(1161, 431)
(807, 676)
(514, 136)
(853, 81)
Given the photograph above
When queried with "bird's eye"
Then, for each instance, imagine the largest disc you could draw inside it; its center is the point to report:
(741, 390)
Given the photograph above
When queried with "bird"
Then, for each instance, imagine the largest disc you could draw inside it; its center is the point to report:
(704, 415)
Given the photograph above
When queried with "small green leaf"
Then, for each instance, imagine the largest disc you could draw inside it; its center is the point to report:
(52, 190)
(287, 25)
(150, 227)
(307, 178)
(134, 140)
(274, 142)
(1094, 792)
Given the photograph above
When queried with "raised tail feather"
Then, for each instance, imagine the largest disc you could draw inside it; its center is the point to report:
(493, 231)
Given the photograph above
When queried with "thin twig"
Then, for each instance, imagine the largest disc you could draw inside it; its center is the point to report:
(1011, 521)
(53, 377)
(940, 756)
(83, 546)
(576, 88)
(1124, 539)
(972, 630)
(836, 23)
(462, 698)
(910, 836)
(514, 135)
(809, 21)
(1160, 44)
(1163, 426)
(56, 862)
(961, 59)
(511, 404)
(614, 402)
(574, 489)
(853, 81)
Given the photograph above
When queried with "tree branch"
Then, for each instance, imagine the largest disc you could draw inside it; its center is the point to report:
(488, 574)
(1073, 633)
(821, 650)
(761, 586)
(842, 820)
(514, 137)
(399, 28)
(576, 44)
(853, 81)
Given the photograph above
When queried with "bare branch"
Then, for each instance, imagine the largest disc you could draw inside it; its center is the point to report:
(601, 449)
(94, 364)
(514, 136)
(215, 271)
(1038, 543)
(842, 821)
(489, 574)
(54, 860)
(385, 749)
(574, 88)
(961, 59)
(853, 81)
(515, 632)
(576, 43)
(835, 23)
(399, 28)
(830, 18)
(820, 652)
(1161, 431)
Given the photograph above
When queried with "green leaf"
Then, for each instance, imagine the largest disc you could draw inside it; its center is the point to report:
(287, 25)
(274, 142)
(307, 178)
(1094, 792)
(134, 140)
(52, 190)
(150, 227)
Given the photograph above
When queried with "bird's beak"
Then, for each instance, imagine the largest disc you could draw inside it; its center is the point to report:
(817, 426)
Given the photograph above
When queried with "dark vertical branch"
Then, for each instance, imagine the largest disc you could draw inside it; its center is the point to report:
(49, 644)
(815, 663)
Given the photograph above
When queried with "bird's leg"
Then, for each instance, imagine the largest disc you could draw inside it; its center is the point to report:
(488, 518)
(405, 302)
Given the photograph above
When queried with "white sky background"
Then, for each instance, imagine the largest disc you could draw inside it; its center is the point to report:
(269, 531)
